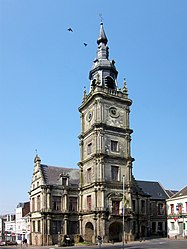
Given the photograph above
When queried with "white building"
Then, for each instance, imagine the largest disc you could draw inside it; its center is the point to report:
(22, 222)
(177, 214)
(10, 228)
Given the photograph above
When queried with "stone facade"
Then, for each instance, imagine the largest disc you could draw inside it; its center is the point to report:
(101, 198)
(105, 151)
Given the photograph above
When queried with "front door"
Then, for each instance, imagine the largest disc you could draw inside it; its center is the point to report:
(115, 232)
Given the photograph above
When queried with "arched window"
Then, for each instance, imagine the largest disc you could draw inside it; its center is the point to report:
(93, 84)
(109, 82)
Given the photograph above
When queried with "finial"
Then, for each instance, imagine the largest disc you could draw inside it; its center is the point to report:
(125, 90)
(101, 18)
(84, 94)
(37, 158)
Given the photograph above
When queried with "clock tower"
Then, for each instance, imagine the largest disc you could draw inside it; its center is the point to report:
(105, 155)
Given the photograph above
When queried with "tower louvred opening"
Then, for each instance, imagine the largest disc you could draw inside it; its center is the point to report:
(109, 82)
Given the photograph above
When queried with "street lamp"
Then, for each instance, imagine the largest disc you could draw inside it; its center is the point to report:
(123, 211)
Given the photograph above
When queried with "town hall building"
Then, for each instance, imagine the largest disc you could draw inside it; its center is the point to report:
(101, 197)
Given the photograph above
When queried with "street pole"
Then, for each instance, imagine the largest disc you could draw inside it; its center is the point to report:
(183, 226)
(123, 211)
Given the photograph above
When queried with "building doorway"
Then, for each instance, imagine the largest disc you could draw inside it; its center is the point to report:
(89, 232)
(115, 232)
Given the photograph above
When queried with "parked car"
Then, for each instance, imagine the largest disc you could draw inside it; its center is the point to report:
(2, 243)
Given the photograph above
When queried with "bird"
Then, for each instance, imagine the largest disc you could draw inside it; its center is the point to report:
(70, 29)
(85, 44)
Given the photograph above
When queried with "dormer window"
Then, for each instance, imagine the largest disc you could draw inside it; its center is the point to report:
(64, 179)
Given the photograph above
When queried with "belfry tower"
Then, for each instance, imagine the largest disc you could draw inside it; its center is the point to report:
(105, 154)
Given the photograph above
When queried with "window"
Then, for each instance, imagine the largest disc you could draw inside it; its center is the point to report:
(89, 202)
(179, 208)
(89, 149)
(33, 226)
(38, 226)
(38, 202)
(89, 175)
(115, 173)
(160, 209)
(109, 82)
(115, 207)
(114, 146)
(56, 228)
(64, 181)
(33, 204)
(56, 203)
(142, 206)
(151, 206)
(172, 208)
(134, 205)
(153, 227)
(73, 204)
(160, 226)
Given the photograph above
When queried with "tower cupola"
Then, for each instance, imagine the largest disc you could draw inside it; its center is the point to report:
(103, 72)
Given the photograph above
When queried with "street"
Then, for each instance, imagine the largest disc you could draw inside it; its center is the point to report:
(162, 243)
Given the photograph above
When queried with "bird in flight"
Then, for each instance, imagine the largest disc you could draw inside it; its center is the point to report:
(71, 30)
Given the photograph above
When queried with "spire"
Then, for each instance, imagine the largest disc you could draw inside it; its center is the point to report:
(102, 51)
(102, 37)
(103, 72)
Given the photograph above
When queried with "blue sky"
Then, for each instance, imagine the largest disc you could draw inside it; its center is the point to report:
(44, 68)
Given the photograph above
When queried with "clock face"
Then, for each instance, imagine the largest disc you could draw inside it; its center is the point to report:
(113, 112)
(89, 116)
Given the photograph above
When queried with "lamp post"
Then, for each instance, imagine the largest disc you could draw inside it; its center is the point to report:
(123, 211)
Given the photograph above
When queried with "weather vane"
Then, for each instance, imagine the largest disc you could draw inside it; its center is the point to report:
(36, 152)
(101, 17)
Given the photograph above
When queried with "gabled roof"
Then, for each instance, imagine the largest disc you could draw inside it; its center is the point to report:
(52, 174)
(182, 192)
(154, 189)
(171, 192)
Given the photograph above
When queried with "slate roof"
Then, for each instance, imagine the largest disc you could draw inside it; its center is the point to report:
(52, 173)
(171, 192)
(182, 192)
(154, 189)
